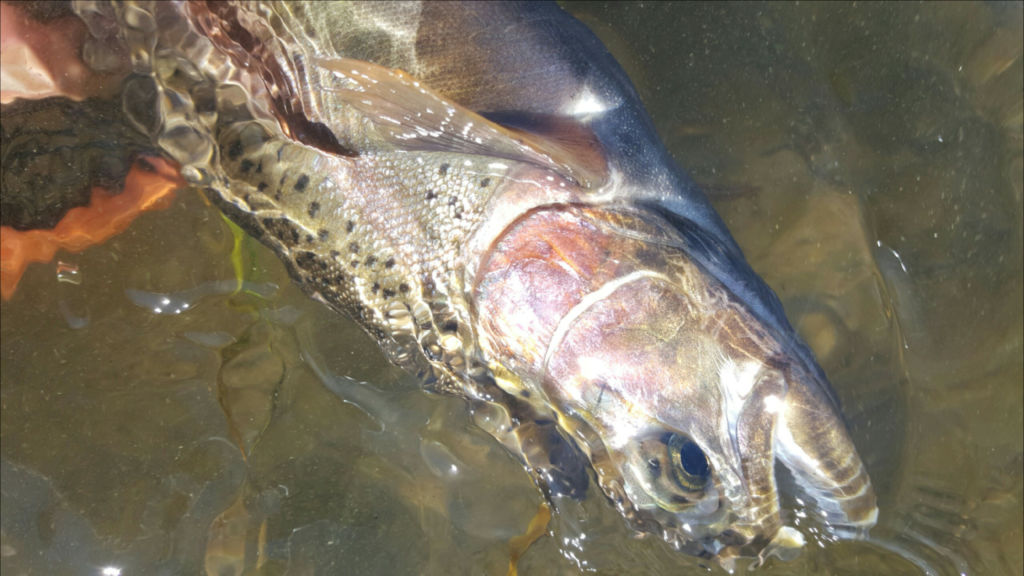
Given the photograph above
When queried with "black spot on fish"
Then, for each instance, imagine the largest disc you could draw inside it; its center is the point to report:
(336, 279)
(235, 150)
(314, 207)
(389, 263)
(485, 182)
(403, 288)
(280, 151)
(371, 260)
(335, 253)
(261, 186)
(375, 288)
(259, 168)
(388, 293)
(354, 263)
(309, 238)
(301, 183)
(431, 195)
(525, 394)
(323, 234)
(304, 260)
(443, 169)
(354, 248)
(283, 230)
(277, 196)
(246, 166)
(453, 200)
(350, 226)
(450, 326)
(310, 262)
(458, 214)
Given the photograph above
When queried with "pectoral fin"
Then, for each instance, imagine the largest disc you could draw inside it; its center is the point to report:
(410, 116)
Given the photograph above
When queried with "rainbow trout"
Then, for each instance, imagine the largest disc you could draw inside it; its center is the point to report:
(478, 186)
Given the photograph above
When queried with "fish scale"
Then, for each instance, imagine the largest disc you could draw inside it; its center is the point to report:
(313, 209)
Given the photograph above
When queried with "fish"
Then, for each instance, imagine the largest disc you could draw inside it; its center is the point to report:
(479, 187)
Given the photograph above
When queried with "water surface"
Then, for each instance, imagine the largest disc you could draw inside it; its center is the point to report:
(159, 417)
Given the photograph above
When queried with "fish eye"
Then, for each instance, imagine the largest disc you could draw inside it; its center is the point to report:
(690, 466)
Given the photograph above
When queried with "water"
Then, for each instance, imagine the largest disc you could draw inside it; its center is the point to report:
(868, 159)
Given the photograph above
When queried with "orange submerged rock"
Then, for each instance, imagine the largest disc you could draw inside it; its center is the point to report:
(150, 185)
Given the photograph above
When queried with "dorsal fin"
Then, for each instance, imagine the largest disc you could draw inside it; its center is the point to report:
(413, 117)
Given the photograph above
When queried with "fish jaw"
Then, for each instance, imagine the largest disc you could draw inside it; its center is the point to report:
(646, 357)
(824, 461)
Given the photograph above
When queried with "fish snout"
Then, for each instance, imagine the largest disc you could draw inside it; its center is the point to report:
(816, 448)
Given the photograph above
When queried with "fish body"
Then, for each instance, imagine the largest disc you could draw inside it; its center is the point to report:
(479, 187)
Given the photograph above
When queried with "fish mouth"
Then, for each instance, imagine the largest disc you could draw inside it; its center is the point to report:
(841, 493)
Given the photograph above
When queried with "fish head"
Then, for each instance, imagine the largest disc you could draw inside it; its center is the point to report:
(684, 401)
(685, 421)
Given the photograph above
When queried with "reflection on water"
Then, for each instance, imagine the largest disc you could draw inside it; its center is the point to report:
(868, 158)
(178, 302)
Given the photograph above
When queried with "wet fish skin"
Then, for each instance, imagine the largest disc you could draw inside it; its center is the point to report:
(660, 340)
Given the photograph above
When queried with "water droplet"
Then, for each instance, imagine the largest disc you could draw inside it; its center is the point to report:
(68, 273)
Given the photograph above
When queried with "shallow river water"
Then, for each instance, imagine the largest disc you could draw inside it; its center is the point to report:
(159, 417)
